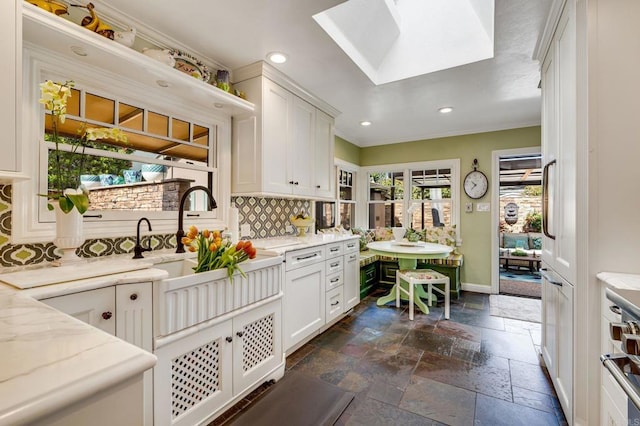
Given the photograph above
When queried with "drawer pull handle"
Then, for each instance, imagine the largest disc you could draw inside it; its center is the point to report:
(615, 309)
(336, 303)
(311, 256)
(229, 339)
(352, 257)
(333, 250)
(107, 315)
(335, 264)
(351, 246)
(335, 280)
(134, 296)
(240, 333)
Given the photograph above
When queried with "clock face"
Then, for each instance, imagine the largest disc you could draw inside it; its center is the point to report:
(476, 184)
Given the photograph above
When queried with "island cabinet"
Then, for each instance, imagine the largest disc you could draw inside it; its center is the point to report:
(125, 311)
(286, 147)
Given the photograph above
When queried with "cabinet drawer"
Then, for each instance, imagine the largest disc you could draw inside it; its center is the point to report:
(605, 307)
(388, 272)
(334, 304)
(335, 280)
(299, 258)
(369, 274)
(352, 246)
(617, 396)
(334, 250)
(335, 265)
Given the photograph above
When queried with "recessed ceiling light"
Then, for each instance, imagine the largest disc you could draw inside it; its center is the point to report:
(78, 50)
(218, 105)
(162, 83)
(277, 57)
(445, 110)
(365, 123)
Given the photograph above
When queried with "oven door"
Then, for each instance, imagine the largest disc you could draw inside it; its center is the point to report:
(625, 373)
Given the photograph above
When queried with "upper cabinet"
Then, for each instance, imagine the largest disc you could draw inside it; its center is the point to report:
(10, 12)
(286, 147)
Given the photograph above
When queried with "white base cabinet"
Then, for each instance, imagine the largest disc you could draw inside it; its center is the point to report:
(201, 370)
(321, 284)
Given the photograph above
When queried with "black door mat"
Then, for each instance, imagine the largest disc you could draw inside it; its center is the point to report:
(296, 400)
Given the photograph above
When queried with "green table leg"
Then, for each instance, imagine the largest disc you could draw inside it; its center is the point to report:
(419, 292)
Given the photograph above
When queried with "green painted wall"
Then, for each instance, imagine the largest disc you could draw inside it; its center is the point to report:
(347, 151)
(475, 228)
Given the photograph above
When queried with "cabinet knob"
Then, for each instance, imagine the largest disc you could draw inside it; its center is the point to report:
(229, 339)
(290, 182)
(134, 296)
(317, 186)
(107, 315)
(240, 333)
(296, 183)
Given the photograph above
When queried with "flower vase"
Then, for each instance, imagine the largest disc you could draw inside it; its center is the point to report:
(69, 235)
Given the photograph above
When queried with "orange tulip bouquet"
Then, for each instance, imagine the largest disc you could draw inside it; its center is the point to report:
(215, 252)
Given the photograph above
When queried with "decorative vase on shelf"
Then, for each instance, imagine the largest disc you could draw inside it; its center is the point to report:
(69, 235)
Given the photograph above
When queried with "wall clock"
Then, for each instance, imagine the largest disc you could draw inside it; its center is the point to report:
(476, 183)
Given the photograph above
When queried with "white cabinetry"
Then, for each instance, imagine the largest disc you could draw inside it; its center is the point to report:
(95, 307)
(559, 149)
(200, 371)
(321, 284)
(304, 294)
(124, 311)
(10, 45)
(286, 148)
(351, 274)
(557, 337)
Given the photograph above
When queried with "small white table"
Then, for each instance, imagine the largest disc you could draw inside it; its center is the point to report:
(407, 255)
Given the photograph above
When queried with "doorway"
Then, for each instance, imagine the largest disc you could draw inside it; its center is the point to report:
(518, 221)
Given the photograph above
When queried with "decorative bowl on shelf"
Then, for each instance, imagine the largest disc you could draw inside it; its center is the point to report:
(302, 224)
(152, 172)
(107, 179)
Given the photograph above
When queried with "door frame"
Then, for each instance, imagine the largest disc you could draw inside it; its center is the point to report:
(495, 201)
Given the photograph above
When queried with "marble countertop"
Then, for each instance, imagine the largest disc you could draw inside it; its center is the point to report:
(51, 360)
(620, 280)
(280, 245)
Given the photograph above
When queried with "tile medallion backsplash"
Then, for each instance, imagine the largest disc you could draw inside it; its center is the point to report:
(268, 217)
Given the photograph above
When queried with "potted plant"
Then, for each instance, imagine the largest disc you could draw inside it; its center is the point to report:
(65, 195)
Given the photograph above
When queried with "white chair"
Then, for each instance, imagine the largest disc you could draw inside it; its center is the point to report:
(420, 277)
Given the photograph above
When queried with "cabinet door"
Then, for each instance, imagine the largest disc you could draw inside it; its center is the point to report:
(10, 42)
(324, 177)
(134, 324)
(302, 147)
(257, 345)
(95, 307)
(351, 280)
(193, 376)
(564, 376)
(550, 325)
(334, 304)
(304, 296)
(276, 116)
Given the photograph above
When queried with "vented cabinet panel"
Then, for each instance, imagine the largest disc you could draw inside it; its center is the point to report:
(257, 345)
(192, 378)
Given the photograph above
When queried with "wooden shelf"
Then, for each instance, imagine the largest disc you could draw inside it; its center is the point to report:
(55, 34)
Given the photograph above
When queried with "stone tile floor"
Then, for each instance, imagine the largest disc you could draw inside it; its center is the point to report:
(474, 369)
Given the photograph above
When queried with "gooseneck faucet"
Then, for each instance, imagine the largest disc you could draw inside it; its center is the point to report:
(180, 233)
(138, 249)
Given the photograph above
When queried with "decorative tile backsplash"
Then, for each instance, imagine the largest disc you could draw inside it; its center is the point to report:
(267, 217)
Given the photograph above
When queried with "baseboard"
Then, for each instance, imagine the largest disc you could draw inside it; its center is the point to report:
(476, 288)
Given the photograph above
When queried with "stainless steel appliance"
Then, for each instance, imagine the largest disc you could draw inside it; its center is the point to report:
(625, 368)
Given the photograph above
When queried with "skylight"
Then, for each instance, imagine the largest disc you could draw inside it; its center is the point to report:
(393, 40)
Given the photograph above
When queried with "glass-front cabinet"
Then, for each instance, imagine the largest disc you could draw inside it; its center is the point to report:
(346, 198)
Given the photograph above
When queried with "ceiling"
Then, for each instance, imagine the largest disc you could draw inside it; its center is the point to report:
(493, 94)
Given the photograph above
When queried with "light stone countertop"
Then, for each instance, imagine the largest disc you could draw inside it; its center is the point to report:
(620, 280)
(280, 245)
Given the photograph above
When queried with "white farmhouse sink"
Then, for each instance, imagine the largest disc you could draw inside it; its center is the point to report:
(177, 268)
